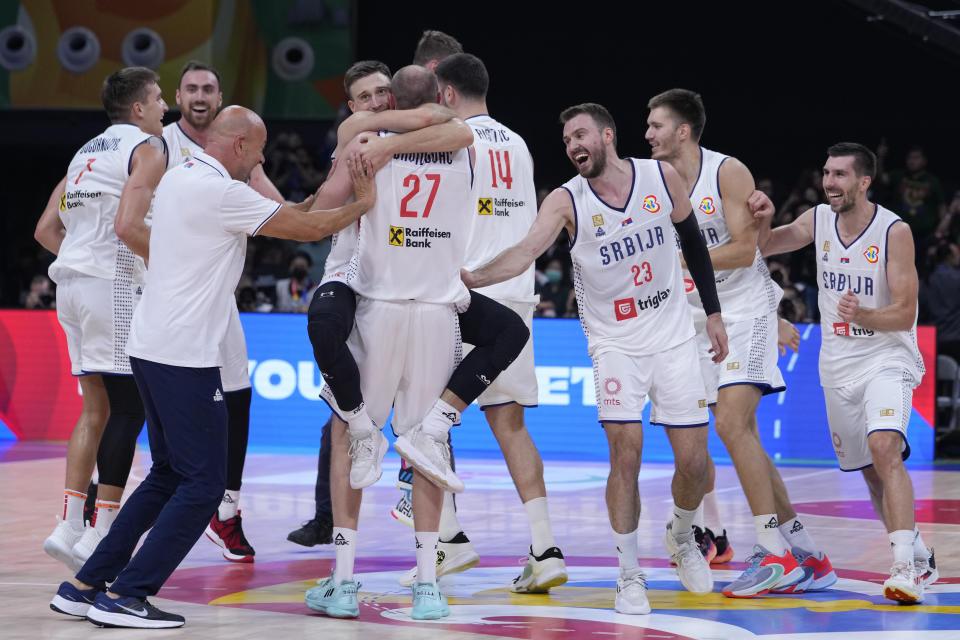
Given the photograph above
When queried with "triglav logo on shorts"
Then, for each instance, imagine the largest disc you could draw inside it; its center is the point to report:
(626, 308)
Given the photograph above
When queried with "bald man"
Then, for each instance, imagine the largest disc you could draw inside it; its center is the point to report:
(203, 213)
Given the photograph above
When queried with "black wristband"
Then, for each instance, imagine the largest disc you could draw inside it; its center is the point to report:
(698, 261)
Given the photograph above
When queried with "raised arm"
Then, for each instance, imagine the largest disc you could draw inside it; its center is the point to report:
(555, 213)
(147, 166)
(398, 120)
(788, 237)
(901, 313)
(449, 136)
(50, 231)
(293, 224)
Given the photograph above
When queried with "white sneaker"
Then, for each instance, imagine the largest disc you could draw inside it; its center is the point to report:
(452, 557)
(59, 545)
(904, 584)
(632, 593)
(429, 457)
(86, 545)
(926, 568)
(366, 455)
(692, 567)
(541, 572)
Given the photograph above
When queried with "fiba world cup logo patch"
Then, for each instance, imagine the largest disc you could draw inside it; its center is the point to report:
(650, 204)
(707, 206)
(872, 254)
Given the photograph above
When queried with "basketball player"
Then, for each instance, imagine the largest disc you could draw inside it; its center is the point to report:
(869, 359)
(404, 273)
(507, 207)
(100, 281)
(719, 187)
(640, 334)
(203, 215)
(433, 47)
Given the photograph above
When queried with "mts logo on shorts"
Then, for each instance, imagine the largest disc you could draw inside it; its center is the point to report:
(627, 308)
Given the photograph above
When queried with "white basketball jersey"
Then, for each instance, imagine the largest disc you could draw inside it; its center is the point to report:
(744, 293)
(849, 353)
(179, 145)
(627, 273)
(506, 203)
(88, 208)
(413, 241)
(343, 244)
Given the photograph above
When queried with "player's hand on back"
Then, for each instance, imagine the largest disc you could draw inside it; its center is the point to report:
(760, 205)
(718, 338)
(373, 148)
(787, 336)
(362, 177)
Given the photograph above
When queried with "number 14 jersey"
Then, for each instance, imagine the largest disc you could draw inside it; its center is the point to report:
(413, 241)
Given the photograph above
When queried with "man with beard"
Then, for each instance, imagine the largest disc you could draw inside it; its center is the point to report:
(869, 359)
(620, 213)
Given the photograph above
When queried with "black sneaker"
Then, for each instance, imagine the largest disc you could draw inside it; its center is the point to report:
(724, 550)
(313, 532)
(127, 611)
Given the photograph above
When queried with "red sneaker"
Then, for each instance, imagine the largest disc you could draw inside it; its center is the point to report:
(228, 535)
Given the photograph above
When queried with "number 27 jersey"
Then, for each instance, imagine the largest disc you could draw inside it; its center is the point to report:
(413, 241)
(627, 273)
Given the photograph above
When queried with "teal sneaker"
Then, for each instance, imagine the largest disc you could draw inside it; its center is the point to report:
(428, 602)
(335, 600)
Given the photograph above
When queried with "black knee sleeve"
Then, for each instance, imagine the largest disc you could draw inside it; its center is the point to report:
(329, 323)
(238, 432)
(498, 336)
(119, 441)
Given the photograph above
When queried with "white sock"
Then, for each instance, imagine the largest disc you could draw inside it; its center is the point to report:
(541, 534)
(438, 421)
(682, 526)
(104, 516)
(627, 550)
(449, 525)
(768, 533)
(711, 512)
(698, 517)
(345, 550)
(229, 505)
(902, 542)
(920, 550)
(73, 507)
(427, 555)
(359, 424)
(796, 535)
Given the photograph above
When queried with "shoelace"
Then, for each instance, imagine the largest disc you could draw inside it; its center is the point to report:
(442, 449)
(233, 535)
(754, 561)
(901, 569)
(638, 578)
(361, 449)
(688, 552)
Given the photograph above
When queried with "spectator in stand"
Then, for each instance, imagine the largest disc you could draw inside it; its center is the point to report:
(555, 294)
(295, 292)
(41, 294)
(291, 168)
(914, 194)
(940, 299)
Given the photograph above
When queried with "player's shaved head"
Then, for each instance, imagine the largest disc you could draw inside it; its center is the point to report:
(237, 137)
(413, 86)
(234, 121)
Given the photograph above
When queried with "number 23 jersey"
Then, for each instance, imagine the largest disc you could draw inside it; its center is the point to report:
(627, 273)
(413, 241)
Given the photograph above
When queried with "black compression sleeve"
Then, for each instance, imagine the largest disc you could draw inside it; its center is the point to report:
(698, 261)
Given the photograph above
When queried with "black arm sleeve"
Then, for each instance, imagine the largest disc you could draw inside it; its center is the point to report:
(697, 257)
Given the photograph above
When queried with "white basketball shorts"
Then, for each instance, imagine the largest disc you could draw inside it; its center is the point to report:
(881, 401)
(670, 378)
(518, 382)
(95, 315)
(406, 352)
